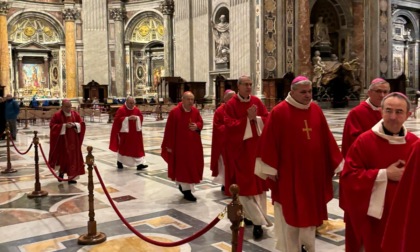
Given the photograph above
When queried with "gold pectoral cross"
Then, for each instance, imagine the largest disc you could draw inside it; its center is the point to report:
(307, 130)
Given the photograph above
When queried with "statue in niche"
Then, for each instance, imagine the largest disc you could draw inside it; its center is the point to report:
(321, 35)
(319, 69)
(221, 36)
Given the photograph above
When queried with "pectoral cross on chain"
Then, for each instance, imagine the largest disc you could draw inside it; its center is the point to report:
(307, 130)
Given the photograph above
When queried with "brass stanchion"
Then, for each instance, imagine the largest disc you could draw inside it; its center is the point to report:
(159, 116)
(92, 237)
(235, 215)
(9, 168)
(38, 192)
(26, 118)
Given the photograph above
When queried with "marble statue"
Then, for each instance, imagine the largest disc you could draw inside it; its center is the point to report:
(319, 68)
(321, 35)
(221, 36)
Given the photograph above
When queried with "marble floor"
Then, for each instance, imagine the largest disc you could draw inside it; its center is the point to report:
(147, 199)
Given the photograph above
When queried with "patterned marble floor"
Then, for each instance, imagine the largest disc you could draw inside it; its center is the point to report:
(147, 199)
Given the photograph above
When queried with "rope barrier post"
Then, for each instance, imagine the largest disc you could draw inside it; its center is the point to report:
(9, 168)
(37, 192)
(92, 237)
(235, 215)
(26, 118)
(159, 113)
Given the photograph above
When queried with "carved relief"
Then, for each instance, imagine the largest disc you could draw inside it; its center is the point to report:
(148, 29)
(270, 39)
(117, 14)
(4, 8)
(71, 14)
(34, 29)
(383, 37)
(168, 7)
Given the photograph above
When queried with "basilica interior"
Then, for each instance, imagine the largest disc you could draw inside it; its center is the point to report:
(106, 50)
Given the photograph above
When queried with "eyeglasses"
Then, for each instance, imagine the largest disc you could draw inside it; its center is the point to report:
(380, 91)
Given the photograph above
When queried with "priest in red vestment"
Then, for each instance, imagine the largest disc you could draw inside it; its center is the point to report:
(404, 219)
(127, 136)
(245, 115)
(360, 119)
(365, 115)
(218, 142)
(181, 146)
(374, 165)
(67, 131)
(299, 156)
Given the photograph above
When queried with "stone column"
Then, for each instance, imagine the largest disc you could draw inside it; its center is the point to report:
(118, 15)
(303, 39)
(20, 69)
(168, 8)
(4, 49)
(46, 72)
(70, 14)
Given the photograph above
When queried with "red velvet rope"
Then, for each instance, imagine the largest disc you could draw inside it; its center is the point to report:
(240, 237)
(145, 238)
(51, 169)
(14, 146)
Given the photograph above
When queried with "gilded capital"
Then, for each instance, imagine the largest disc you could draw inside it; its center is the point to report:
(71, 14)
(117, 14)
(4, 8)
(168, 7)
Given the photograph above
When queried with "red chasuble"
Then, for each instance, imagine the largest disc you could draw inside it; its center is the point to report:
(218, 139)
(186, 161)
(66, 150)
(300, 146)
(366, 156)
(359, 120)
(401, 231)
(241, 154)
(127, 143)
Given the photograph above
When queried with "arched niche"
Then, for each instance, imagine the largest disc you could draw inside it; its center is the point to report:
(37, 27)
(338, 16)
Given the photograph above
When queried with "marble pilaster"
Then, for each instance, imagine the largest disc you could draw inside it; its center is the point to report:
(358, 37)
(168, 9)
(46, 72)
(20, 70)
(118, 14)
(4, 49)
(70, 15)
(303, 43)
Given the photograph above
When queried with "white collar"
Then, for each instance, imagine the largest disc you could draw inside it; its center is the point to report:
(378, 129)
(185, 108)
(371, 105)
(244, 99)
(294, 103)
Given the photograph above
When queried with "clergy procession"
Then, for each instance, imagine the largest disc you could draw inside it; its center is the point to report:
(287, 157)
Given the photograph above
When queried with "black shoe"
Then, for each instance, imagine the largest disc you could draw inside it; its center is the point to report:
(303, 248)
(141, 166)
(257, 232)
(72, 182)
(223, 188)
(61, 175)
(248, 222)
(188, 196)
(180, 189)
(119, 165)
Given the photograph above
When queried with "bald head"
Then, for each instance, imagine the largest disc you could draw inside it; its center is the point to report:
(66, 106)
(187, 100)
(129, 102)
